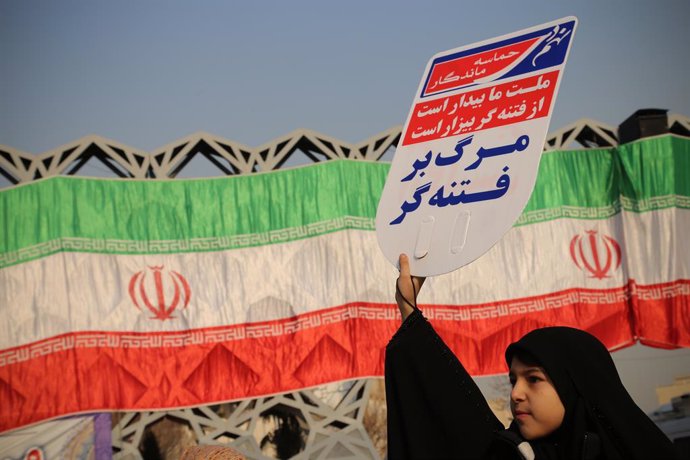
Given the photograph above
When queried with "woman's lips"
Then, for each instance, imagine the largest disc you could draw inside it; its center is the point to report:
(521, 415)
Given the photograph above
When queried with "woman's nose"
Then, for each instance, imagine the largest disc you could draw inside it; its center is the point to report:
(517, 393)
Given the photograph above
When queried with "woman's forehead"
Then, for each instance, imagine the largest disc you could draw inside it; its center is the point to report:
(519, 367)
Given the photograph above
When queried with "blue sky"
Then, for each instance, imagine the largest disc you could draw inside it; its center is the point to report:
(146, 73)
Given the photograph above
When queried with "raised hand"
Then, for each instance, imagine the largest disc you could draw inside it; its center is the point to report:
(407, 288)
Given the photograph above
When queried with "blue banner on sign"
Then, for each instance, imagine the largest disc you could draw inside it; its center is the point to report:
(523, 54)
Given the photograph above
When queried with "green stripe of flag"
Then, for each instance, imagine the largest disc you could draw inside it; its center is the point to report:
(656, 168)
(152, 210)
(649, 174)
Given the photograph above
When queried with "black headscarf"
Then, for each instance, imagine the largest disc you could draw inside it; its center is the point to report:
(596, 402)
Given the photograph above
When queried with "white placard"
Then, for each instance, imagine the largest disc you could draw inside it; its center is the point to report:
(469, 153)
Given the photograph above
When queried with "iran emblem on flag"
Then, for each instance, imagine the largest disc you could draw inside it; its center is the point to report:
(169, 289)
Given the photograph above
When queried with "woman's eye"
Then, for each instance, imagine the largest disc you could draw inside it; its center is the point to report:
(534, 379)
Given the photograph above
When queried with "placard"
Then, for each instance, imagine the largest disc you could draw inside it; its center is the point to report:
(469, 153)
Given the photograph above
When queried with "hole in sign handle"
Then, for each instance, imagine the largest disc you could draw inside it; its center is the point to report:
(426, 230)
(459, 238)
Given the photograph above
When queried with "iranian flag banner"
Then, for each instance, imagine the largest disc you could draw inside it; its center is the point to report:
(151, 294)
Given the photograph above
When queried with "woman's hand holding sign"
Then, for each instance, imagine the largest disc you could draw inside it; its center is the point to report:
(407, 288)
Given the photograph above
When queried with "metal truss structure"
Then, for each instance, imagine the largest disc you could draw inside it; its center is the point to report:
(585, 132)
(590, 133)
(330, 417)
(170, 161)
(679, 124)
(226, 157)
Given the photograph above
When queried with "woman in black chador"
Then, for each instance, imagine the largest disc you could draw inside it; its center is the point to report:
(567, 399)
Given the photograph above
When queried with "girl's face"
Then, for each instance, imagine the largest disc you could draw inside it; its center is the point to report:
(534, 402)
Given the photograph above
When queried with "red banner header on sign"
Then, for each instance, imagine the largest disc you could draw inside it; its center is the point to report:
(500, 105)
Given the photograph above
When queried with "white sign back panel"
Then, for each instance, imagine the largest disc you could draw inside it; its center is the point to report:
(469, 153)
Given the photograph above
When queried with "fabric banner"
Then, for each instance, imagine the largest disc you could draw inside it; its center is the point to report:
(75, 438)
(136, 294)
